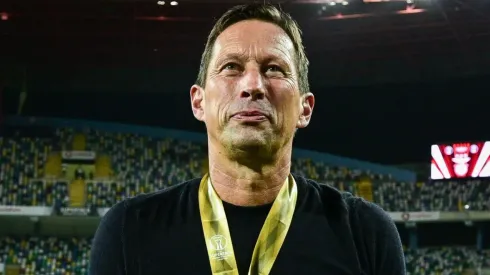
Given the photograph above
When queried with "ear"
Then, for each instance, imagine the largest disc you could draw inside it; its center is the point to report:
(197, 102)
(307, 105)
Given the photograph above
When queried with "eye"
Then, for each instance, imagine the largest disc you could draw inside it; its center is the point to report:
(274, 68)
(274, 71)
(230, 67)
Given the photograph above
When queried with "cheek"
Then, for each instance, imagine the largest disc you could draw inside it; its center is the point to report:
(218, 101)
(286, 100)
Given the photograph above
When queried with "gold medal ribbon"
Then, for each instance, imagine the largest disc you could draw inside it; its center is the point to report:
(271, 237)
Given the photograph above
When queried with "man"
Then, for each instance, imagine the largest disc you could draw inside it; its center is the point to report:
(249, 215)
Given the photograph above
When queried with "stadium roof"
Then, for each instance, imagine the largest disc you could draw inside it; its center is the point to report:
(377, 41)
(119, 47)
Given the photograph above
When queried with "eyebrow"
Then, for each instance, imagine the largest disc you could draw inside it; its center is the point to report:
(228, 56)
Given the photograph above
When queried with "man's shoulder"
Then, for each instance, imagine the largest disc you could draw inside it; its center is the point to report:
(357, 207)
(178, 191)
(149, 204)
(373, 231)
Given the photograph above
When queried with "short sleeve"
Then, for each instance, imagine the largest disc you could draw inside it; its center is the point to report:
(106, 256)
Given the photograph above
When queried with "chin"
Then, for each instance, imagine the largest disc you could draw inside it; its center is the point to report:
(248, 139)
(249, 143)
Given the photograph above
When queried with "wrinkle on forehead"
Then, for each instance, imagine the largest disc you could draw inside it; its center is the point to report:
(255, 40)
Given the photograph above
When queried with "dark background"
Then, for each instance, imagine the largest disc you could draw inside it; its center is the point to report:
(389, 81)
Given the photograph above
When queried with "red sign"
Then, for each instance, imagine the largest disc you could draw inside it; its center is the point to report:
(460, 160)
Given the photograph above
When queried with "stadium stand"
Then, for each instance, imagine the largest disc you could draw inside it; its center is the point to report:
(70, 256)
(46, 255)
(92, 168)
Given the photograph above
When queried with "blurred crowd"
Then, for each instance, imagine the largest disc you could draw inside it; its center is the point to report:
(33, 173)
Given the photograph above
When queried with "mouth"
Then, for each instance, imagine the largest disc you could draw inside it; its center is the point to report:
(250, 116)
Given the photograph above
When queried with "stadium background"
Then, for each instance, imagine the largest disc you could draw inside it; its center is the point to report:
(390, 78)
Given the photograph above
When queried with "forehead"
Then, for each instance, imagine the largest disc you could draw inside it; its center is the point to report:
(254, 37)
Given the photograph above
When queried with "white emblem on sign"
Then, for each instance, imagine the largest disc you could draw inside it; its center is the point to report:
(219, 243)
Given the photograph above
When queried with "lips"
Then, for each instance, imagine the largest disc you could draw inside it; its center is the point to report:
(250, 116)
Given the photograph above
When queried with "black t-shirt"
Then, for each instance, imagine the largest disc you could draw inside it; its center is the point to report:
(331, 233)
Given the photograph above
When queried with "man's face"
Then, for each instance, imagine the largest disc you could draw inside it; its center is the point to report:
(252, 100)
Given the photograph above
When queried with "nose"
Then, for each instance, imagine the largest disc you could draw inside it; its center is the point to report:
(252, 85)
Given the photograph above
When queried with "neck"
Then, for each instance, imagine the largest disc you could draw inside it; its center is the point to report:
(240, 184)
